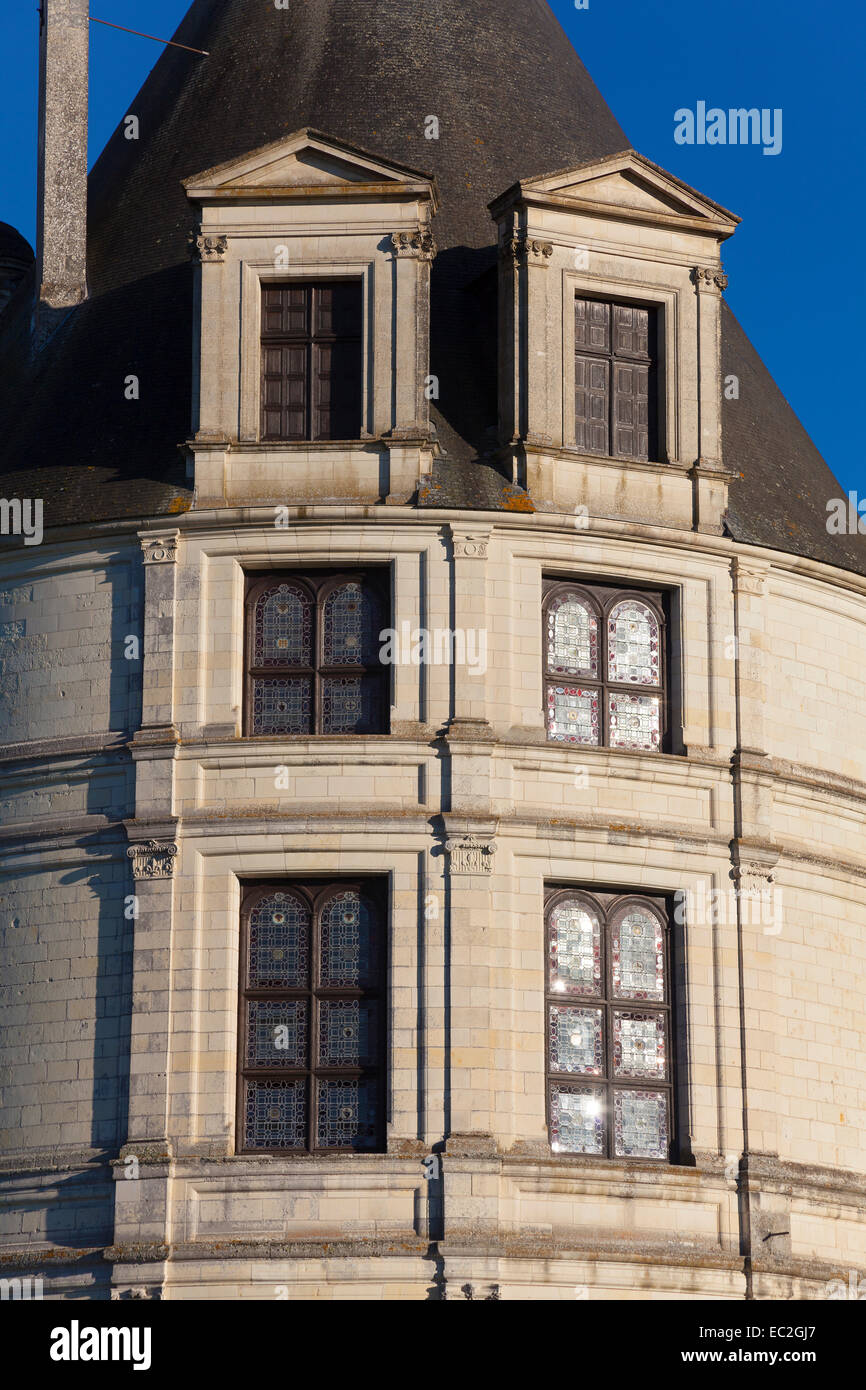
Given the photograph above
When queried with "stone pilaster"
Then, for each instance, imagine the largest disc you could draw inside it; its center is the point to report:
(471, 854)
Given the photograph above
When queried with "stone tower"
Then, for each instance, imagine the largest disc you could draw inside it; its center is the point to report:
(430, 866)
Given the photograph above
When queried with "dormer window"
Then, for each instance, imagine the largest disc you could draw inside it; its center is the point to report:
(312, 360)
(615, 359)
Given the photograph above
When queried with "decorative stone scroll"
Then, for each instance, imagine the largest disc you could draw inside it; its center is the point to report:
(526, 250)
(150, 859)
(161, 550)
(419, 245)
(470, 855)
(705, 276)
(206, 248)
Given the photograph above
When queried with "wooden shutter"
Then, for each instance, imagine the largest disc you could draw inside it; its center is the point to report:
(591, 376)
(312, 361)
(613, 379)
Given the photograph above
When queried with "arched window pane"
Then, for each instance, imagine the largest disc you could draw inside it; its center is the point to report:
(348, 942)
(350, 627)
(572, 637)
(633, 644)
(637, 952)
(283, 628)
(575, 949)
(279, 943)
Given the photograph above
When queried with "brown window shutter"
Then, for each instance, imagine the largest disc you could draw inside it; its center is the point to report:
(631, 410)
(312, 361)
(614, 379)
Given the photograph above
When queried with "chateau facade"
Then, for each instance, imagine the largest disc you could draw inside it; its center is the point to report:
(434, 721)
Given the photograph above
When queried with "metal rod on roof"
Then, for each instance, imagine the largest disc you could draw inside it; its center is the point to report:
(140, 35)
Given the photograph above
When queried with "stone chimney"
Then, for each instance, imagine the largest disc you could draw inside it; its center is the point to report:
(61, 248)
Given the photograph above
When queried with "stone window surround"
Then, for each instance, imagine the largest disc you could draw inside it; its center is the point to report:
(255, 274)
(408, 694)
(626, 291)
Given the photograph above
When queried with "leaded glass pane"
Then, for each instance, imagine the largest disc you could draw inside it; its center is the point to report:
(283, 705)
(577, 1119)
(572, 637)
(350, 628)
(575, 950)
(279, 943)
(637, 954)
(572, 714)
(640, 1124)
(350, 704)
(576, 1040)
(347, 1033)
(639, 1045)
(347, 1114)
(348, 942)
(275, 1114)
(277, 1032)
(283, 628)
(633, 644)
(635, 721)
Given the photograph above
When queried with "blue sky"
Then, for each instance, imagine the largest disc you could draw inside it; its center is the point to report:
(649, 60)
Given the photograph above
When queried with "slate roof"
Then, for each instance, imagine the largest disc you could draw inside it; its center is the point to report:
(513, 100)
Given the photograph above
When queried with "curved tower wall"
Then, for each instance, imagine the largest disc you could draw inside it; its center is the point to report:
(466, 1039)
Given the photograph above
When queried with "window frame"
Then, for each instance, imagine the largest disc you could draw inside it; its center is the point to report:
(607, 905)
(308, 340)
(653, 361)
(316, 893)
(318, 584)
(602, 599)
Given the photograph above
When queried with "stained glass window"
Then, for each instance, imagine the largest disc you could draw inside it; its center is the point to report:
(637, 955)
(575, 949)
(350, 630)
(283, 627)
(278, 942)
(635, 721)
(603, 1054)
(633, 644)
(311, 1060)
(577, 1123)
(641, 1124)
(611, 645)
(572, 714)
(314, 662)
(572, 636)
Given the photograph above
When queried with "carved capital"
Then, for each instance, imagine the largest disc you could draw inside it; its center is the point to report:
(471, 547)
(419, 245)
(151, 859)
(707, 277)
(151, 1291)
(470, 855)
(206, 247)
(748, 580)
(521, 250)
(753, 877)
(159, 550)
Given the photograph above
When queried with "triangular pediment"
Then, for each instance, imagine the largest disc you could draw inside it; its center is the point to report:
(306, 162)
(630, 186)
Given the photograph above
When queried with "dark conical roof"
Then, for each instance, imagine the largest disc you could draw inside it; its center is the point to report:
(513, 100)
(13, 246)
